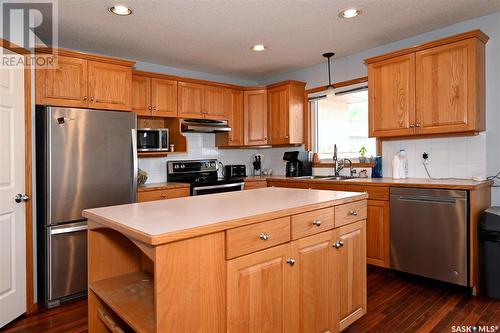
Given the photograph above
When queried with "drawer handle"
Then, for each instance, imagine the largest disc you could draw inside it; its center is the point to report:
(163, 195)
(353, 212)
(290, 261)
(338, 244)
(264, 236)
(317, 223)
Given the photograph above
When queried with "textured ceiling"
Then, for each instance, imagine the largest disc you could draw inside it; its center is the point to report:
(215, 36)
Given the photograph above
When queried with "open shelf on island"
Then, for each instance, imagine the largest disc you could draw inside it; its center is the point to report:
(131, 297)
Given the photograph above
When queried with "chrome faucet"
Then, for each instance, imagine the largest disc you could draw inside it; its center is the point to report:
(340, 164)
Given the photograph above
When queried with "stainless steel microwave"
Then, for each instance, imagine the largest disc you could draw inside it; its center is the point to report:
(152, 139)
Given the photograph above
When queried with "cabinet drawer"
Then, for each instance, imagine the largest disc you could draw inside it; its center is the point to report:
(374, 192)
(255, 237)
(349, 213)
(163, 194)
(310, 223)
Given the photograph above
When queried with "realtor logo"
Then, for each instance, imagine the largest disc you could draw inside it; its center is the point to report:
(29, 24)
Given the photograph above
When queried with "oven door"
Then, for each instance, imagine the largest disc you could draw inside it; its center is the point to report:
(201, 190)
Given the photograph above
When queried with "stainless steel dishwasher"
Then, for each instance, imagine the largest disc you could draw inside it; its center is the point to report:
(429, 233)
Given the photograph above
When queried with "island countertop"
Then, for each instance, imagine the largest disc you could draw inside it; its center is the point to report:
(164, 221)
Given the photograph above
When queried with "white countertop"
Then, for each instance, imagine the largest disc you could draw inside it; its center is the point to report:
(189, 216)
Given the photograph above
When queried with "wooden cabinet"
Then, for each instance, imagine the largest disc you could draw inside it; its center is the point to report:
(110, 86)
(315, 306)
(86, 81)
(201, 101)
(190, 98)
(259, 292)
(254, 184)
(434, 88)
(350, 272)
(286, 113)
(255, 117)
(233, 109)
(153, 95)
(378, 233)
(391, 85)
(141, 95)
(65, 85)
(162, 194)
(213, 103)
(450, 88)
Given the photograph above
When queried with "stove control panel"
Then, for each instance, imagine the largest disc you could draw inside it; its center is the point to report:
(191, 166)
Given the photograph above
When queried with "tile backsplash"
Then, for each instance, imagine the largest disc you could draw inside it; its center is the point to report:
(455, 157)
(203, 146)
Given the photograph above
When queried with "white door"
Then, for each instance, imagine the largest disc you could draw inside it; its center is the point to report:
(12, 213)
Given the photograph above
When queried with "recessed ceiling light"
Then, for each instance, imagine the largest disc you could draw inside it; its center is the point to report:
(258, 48)
(120, 10)
(350, 13)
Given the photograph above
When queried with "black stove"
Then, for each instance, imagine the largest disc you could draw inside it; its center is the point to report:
(202, 175)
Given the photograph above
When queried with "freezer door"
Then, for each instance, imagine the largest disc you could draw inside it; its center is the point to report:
(91, 161)
(67, 260)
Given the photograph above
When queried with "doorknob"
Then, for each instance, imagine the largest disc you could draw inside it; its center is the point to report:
(21, 197)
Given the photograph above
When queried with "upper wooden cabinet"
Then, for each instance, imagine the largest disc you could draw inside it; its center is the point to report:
(434, 88)
(255, 117)
(391, 85)
(64, 86)
(110, 86)
(86, 81)
(201, 101)
(233, 106)
(153, 95)
(286, 113)
(190, 99)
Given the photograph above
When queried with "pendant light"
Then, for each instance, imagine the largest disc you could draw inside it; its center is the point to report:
(330, 90)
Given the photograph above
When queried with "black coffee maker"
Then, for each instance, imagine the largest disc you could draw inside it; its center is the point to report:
(293, 164)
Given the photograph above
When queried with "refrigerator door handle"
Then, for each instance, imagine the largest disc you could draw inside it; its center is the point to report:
(134, 165)
(68, 230)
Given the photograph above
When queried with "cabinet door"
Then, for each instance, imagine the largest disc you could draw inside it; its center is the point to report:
(164, 97)
(255, 117)
(141, 95)
(350, 273)
(110, 86)
(278, 115)
(64, 86)
(258, 292)
(213, 103)
(378, 233)
(391, 93)
(445, 90)
(233, 103)
(314, 284)
(190, 99)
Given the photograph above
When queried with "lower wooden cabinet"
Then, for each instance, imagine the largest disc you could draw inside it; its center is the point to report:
(162, 194)
(253, 184)
(313, 284)
(350, 272)
(259, 292)
(378, 233)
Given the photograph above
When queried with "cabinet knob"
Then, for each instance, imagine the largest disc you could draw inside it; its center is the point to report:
(154, 108)
(84, 98)
(317, 223)
(91, 98)
(290, 261)
(412, 126)
(338, 244)
(353, 213)
(264, 236)
(163, 195)
(149, 108)
(418, 125)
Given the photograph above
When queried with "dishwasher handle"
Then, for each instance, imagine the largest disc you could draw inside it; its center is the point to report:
(420, 198)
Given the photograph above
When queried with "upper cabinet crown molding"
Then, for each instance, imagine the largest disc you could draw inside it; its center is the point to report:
(432, 89)
(86, 56)
(443, 41)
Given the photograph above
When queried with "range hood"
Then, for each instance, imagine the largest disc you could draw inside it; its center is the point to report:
(204, 126)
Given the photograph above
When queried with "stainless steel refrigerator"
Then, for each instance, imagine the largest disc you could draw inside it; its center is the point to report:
(85, 159)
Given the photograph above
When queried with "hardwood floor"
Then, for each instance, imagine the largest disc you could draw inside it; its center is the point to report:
(396, 303)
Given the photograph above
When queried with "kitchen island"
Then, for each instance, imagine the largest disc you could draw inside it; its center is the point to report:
(264, 260)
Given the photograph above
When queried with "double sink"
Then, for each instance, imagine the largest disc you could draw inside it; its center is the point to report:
(325, 177)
